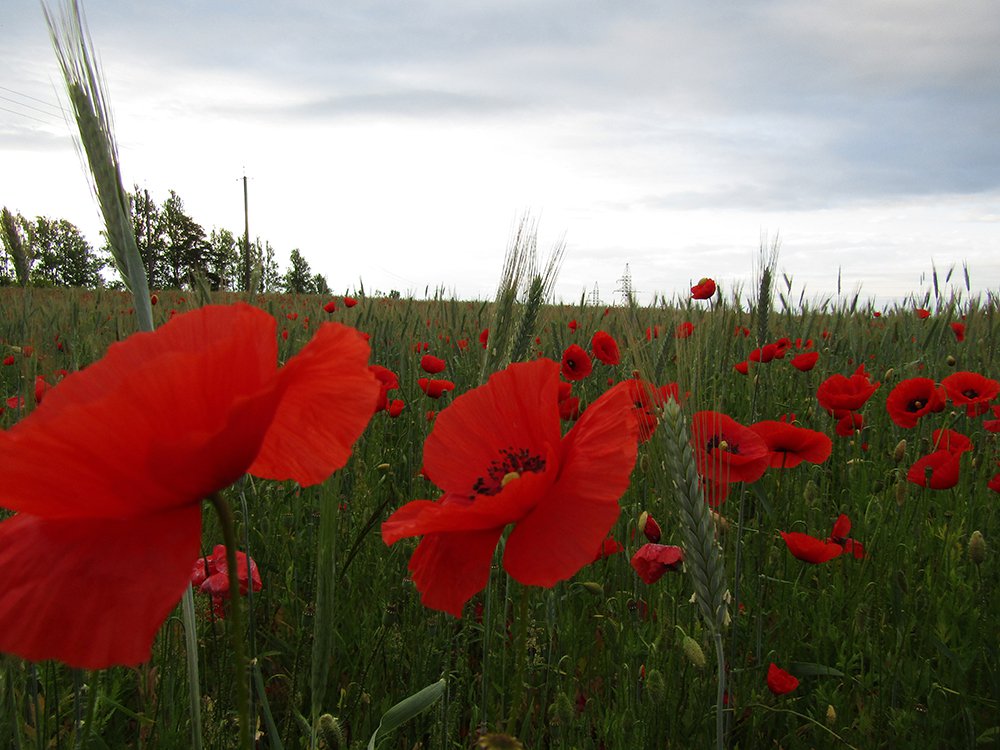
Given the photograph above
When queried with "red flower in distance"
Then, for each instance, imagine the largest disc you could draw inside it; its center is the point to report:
(789, 445)
(725, 451)
(849, 424)
(971, 389)
(805, 361)
(330, 306)
(387, 381)
(648, 399)
(779, 681)
(605, 348)
(350, 302)
(810, 549)
(211, 576)
(704, 289)
(841, 528)
(569, 409)
(922, 313)
(431, 364)
(140, 438)
(938, 471)
(484, 337)
(951, 441)
(576, 364)
(497, 454)
(608, 548)
(435, 387)
(684, 330)
(651, 561)
(395, 407)
(742, 367)
(840, 395)
(959, 330)
(573, 325)
(913, 398)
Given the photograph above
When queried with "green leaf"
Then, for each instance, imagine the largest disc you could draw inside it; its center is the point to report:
(406, 709)
(807, 669)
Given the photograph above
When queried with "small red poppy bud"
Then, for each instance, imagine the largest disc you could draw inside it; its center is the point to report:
(650, 528)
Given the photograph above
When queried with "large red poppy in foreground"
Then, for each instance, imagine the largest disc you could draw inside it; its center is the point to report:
(498, 455)
(107, 476)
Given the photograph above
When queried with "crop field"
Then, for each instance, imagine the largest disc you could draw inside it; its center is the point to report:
(802, 555)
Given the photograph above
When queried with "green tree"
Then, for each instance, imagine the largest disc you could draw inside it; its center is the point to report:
(298, 279)
(186, 246)
(320, 285)
(147, 223)
(63, 257)
(224, 268)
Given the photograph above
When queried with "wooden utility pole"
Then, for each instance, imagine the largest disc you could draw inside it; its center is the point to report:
(246, 240)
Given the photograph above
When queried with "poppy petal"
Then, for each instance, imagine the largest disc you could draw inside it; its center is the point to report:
(599, 453)
(329, 397)
(57, 580)
(465, 556)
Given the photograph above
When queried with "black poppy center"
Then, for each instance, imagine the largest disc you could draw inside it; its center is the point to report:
(915, 405)
(718, 441)
(511, 461)
(970, 393)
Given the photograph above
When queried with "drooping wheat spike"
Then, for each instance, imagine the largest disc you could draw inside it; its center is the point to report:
(702, 556)
(89, 100)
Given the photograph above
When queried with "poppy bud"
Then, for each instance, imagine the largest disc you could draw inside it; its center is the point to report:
(900, 452)
(498, 741)
(592, 587)
(888, 375)
(977, 547)
(951, 361)
(650, 528)
(656, 685)
(810, 492)
(693, 652)
(831, 715)
(383, 467)
(561, 711)
(331, 731)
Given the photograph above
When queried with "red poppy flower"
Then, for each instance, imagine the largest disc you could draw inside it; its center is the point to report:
(841, 528)
(704, 289)
(395, 407)
(993, 425)
(849, 424)
(101, 548)
(922, 313)
(684, 330)
(211, 576)
(605, 348)
(569, 409)
(959, 330)
(484, 337)
(726, 451)
(387, 381)
(435, 387)
(810, 549)
(789, 445)
(779, 681)
(972, 389)
(994, 483)
(648, 399)
(742, 367)
(431, 364)
(8, 360)
(651, 561)
(913, 398)
(951, 441)
(576, 364)
(330, 306)
(805, 361)
(608, 548)
(649, 527)
(350, 302)
(939, 470)
(840, 395)
(573, 325)
(764, 354)
(497, 454)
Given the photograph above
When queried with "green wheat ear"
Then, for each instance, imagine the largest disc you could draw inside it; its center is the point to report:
(702, 556)
(93, 118)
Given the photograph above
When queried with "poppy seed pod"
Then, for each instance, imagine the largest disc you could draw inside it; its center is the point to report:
(592, 587)
(900, 451)
(693, 652)
(331, 731)
(831, 715)
(950, 361)
(977, 547)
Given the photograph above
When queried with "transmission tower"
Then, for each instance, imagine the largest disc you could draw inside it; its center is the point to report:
(595, 296)
(625, 288)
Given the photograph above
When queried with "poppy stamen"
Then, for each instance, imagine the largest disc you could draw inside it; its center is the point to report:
(512, 464)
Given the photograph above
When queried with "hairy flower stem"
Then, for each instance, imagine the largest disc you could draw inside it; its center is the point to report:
(228, 525)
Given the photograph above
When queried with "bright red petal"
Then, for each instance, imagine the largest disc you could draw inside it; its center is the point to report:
(448, 569)
(329, 397)
(92, 592)
(560, 535)
(517, 409)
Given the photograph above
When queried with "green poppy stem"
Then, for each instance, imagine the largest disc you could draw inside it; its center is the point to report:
(225, 514)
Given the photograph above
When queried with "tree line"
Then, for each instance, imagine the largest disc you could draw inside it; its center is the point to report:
(174, 247)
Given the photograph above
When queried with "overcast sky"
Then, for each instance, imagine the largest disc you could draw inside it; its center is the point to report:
(398, 143)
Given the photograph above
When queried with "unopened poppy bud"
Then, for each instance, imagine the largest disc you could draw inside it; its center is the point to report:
(498, 741)
(693, 652)
(383, 467)
(810, 492)
(649, 527)
(330, 731)
(900, 453)
(950, 361)
(977, 547)
(888, 374)
(592, 587)
(561, 711)
(655, 684)
(831, 715)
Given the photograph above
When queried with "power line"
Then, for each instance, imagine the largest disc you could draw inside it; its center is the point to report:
(30, 117)
(33, 98)
(26, 106)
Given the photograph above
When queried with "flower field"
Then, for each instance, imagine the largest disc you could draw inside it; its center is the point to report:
(714, 521)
